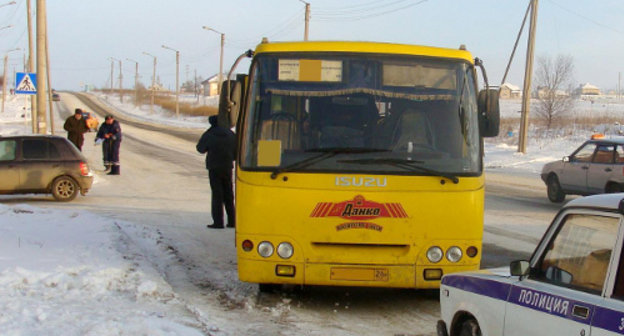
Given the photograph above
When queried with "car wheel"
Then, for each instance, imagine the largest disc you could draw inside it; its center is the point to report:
(613, 188)
(64, 189)
(470, 328)
(555, 194)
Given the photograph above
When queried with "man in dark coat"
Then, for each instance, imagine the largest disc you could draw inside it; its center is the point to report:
(219, 144)
(76, 127)
(110, 132)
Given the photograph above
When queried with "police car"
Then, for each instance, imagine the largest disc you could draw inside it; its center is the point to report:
(596, 167)
(573, 284)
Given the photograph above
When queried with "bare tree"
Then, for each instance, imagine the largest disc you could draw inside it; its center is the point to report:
(554, 84)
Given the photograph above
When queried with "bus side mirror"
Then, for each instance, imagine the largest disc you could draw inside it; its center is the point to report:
(230, 100)
(489, 113)
(519, 268)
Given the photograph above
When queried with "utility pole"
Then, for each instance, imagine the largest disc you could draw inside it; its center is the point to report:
(120, 83)
(47, 52)
(41, 83)
(31, 69)
(153, 81)
(307, 20)
(619, 90)
(528, 71)
(177, 80)
(112, 80)
(136, 82)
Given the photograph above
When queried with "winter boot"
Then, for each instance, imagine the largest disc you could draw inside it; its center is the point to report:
(107, 167)
(114, 170)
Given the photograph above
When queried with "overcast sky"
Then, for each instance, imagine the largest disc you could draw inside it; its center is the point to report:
(85, 34)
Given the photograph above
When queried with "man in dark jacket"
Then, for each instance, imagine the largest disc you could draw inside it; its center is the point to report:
(219, 144)
(76, 127)
(110, 132)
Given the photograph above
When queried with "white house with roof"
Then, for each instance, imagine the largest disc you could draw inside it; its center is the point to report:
(587, 90)
(510, 91)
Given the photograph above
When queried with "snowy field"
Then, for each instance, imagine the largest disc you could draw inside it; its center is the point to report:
(70, 272)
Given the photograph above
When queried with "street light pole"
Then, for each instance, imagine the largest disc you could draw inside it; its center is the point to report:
(220, 58)
(136, 81)
(4, 76)
(153, 80)
(112, 79)
(177, 80)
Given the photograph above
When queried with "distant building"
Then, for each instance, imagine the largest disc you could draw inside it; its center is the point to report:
(587, 90)
(211, 85)
(542, 92)
(510, 91)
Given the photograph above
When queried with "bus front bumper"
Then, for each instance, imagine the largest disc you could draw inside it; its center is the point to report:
(400, 276)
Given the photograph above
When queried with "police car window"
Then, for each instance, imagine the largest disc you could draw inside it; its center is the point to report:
(604, 154)
(7, 150)
(618, 291)
(579, 254)
(585, 154)
(619, 154)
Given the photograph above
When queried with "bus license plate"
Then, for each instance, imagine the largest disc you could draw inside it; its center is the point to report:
(359, 274)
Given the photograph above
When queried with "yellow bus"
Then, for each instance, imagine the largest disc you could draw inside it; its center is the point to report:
(359, 163)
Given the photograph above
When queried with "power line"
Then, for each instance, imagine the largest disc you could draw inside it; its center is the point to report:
(585, 17)
(369, 15)
(371, 6)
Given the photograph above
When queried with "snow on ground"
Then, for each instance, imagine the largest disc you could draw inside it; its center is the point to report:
(75, 273)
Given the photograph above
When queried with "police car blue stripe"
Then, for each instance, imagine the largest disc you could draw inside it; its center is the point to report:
(550, 304)
(533, 299)
(491, 288)
(609, 319)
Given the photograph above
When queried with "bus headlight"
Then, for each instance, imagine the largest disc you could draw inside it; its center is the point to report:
(454, 254)
(285, 250)
(434, 254)
(265, 249)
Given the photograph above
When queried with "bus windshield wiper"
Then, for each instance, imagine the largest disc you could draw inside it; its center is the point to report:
(405, 164)
(325, 153)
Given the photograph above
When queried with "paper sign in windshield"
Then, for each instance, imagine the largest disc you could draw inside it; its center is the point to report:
(310, 70)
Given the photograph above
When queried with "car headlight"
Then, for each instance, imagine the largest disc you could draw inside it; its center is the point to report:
(285, 250)
(265, 249)
(454, 254)
(434, 254)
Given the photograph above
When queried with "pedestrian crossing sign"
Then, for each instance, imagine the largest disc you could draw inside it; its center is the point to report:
(25, 83)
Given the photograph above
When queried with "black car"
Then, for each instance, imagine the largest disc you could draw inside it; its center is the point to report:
(43, 164)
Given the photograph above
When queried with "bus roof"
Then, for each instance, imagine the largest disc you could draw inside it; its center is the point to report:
(362, 47)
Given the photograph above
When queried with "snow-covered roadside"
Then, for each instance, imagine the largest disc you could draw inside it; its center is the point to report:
(75, 273)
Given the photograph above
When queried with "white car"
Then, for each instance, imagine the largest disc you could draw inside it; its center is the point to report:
(573, 284)
(596, 167)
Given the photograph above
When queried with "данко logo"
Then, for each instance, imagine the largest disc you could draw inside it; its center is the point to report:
(358, 209)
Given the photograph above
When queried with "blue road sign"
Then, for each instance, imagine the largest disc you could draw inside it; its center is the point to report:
(25, 83)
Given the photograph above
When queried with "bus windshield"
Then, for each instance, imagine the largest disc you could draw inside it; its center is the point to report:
(377, 114)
